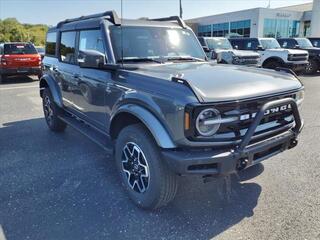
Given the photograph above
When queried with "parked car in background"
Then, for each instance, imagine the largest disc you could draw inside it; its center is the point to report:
(160, 106)
(224, 53)
(272, 55)
(40, 50)
(18, 58)
(305, 44)
(315, 41)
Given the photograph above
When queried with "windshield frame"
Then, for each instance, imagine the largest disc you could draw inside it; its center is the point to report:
(116, 50)
(270, 40)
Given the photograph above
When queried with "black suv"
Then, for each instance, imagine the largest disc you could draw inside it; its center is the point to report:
(144, 90)
(315, 41)
(305, 44)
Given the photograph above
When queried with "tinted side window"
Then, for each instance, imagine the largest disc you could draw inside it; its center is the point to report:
(67, 47)
(236, 44)
(202, 42)
(91, 40)
(51, 44)
(288, 43)
(251, 45)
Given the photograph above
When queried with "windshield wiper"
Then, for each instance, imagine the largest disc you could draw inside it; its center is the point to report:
(139, 60)
(181, 58)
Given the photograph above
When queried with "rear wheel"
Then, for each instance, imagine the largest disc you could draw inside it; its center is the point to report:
(312, 67)
(145, 176)
(51, 112)
(1, 78)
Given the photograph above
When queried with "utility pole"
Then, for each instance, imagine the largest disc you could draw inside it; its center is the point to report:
(269, 5)
(180, 5)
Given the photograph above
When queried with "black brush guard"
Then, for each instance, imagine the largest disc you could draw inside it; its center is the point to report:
(221, 162)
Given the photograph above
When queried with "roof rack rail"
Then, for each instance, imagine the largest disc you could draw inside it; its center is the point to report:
(172, 18)
(113, 17)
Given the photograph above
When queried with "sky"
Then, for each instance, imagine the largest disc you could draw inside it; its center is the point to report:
(52, 11)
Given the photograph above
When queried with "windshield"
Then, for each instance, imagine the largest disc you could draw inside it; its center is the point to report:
(156, 43)
(218, 43)
(304, 43)
(269, 43)
(19, 49)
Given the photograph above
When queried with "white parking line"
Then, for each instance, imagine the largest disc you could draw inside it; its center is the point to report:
(19, 87)
(2, 236)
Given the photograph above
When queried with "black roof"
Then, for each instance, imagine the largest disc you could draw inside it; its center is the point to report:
(95, 20)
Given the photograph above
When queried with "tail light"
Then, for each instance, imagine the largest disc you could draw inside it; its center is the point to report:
(3, 60)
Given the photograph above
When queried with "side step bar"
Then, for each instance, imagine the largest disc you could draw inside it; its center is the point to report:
(93, 134)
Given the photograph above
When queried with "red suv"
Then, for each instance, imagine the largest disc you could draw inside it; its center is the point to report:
(19, 59)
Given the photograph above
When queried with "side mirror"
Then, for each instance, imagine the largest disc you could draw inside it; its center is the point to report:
(214, 55)
(260, 48)
(236, 47)
(206, 49)
(91, 59)
(296, 46)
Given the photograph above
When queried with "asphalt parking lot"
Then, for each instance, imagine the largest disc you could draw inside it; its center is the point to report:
(63, 186)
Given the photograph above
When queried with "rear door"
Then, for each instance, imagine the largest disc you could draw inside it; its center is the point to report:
(21, 55)
(66, 70)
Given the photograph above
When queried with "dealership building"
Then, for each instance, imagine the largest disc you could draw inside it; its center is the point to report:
(292, 21)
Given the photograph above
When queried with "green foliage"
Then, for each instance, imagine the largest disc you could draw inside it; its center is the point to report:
(13, 31)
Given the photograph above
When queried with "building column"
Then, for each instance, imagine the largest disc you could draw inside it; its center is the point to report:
(315, 22)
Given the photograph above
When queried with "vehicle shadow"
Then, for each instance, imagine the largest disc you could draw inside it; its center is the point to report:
(62, 186)
(18, 79)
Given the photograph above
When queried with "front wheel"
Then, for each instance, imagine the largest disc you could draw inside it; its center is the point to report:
(51, 112)
(312, 67)
(144, 174)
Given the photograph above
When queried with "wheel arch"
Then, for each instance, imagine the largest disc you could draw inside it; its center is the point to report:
(47, 81)
(131, 114)
(271, 59)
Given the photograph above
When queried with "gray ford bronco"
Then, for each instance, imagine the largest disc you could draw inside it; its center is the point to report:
(145, 91)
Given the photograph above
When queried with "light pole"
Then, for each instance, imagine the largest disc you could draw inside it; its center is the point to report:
(180, 5)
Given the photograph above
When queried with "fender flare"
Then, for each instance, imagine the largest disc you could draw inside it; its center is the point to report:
(47, 80)
(157, 130)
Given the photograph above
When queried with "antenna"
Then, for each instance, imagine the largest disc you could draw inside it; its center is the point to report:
(180, 5)
(121, 33)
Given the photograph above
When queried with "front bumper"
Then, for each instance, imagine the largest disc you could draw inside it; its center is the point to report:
(21, 71)
(296, 67)
(226, 161)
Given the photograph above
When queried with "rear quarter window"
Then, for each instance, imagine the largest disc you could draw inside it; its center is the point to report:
(19, 48)
(51, 44)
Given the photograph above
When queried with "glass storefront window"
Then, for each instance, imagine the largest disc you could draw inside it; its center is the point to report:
(220, 29)
(204, 30)
(241, 28)
(278, 28)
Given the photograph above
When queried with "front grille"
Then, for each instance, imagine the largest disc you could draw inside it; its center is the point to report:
(298, 57)
(271, 125)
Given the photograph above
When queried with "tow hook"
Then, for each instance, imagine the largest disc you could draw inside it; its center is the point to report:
(242, 163)
(293, 143)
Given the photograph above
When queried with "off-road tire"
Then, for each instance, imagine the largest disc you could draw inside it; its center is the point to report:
(162, 182)
(312, 67)
(53, 121)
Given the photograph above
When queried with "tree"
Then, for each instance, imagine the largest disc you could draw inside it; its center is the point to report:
(13, 31)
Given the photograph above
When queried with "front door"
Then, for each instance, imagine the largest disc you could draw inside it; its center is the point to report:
(89, 83)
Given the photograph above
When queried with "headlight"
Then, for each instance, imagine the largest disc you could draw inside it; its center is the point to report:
(299, 97)
(208, 122)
